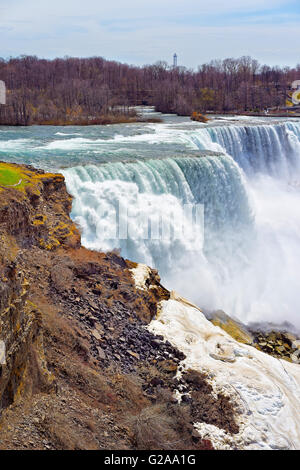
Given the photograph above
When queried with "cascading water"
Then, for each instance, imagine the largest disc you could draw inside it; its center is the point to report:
(248, 261)
(161, 186)
(270, 149)
(266, 287)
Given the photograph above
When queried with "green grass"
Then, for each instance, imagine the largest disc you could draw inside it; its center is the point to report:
(9, 177)
(12, 176)
(19, 177)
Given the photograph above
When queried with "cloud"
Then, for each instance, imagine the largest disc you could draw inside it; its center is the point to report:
(37, 11)
(141, 32)
(123, 6)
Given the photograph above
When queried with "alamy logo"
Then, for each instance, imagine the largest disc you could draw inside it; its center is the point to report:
(155, 223)
(2, 353)
(2, 92)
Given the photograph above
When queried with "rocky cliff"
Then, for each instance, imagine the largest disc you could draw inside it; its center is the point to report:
(95, 354)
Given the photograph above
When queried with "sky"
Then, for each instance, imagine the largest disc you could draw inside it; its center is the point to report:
(144, 32)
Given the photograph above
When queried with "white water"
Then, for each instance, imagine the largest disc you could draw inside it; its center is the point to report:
(248, 265)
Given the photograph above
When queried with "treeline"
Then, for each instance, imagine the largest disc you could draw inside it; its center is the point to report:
(94, 90)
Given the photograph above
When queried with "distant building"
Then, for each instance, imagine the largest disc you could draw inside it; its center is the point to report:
(296, 94)
(296, 85)
(175, 60)
(2, 92)
(293, 95)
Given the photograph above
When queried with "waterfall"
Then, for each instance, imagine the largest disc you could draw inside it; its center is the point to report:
(159, 186)
(243, 255)
(271, 149)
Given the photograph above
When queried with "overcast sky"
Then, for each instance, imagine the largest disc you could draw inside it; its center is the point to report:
(143, 32)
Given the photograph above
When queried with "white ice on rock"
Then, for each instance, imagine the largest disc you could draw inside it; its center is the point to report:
(265, 389)
(140, 274)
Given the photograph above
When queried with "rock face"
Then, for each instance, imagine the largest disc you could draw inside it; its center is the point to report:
(280, 344)
(232, 327)
(19, 329)
(25, 221)
(35, 211)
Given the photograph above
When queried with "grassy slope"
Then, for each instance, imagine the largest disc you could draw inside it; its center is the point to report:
(10, 175)
(20, 177)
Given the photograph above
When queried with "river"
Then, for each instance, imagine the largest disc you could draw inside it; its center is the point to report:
(241, 254)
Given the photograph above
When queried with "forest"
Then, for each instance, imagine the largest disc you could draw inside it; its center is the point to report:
(98, 91)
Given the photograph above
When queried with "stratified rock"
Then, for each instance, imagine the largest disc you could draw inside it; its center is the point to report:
(279, 344)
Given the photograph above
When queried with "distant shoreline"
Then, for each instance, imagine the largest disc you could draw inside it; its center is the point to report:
(256, 114)
(101, 121)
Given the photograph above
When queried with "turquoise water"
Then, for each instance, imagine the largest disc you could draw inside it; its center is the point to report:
(59, 147)
(56, 147)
